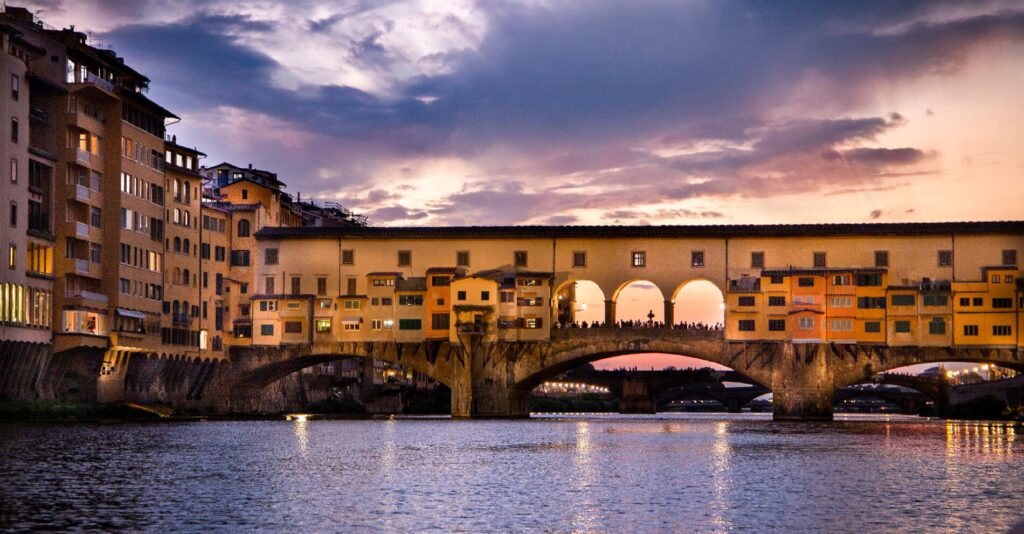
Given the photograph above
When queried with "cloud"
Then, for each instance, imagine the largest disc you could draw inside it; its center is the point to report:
(664, 110)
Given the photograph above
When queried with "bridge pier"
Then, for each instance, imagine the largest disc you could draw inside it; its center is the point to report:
(609, 312)
(636, 398)
(802, 384)
(670, 314)
(485, 388)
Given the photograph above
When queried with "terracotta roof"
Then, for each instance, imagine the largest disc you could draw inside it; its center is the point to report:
(676, 231)
(822, 271)
(443, 270)
(384, 273)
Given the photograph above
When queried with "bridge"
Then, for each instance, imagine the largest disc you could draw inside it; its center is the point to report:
(494, 379)
(650, 391)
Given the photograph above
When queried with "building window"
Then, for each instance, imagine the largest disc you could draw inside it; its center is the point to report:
(440, 281)
(639, 258)
(757, 260)
(1009, 257)
(375, 324)
(881, 258)
(269, 285)
(1001, 330)
(321, 286)
(902, 300)
(805, 281)
(935, 300)
(945, 258)
(869, 280)
(519, 258)
(410, 300)
(266, 330)
(485, 296)
(410, 324)
(841, 280)
(872, 327)
(1002, 303)
(901, 327)
(296, 285)
(15, 86)
(579, 259)
(977, 301)
(245, 194)
(970, 329)
(461, 295)
(806, 323)
(439, 321)
(697, 258)
(462, 258)
(404, 258)
(293, 327)
(14, 130)
(871, 303)
(12, 256)
(352, 304)
(937, 326)
(14, 170)
(776, 301)
(840, 325)
(270, 256)
(348, 257)
(820, 260)
(350, 288)
(14, 213)
(776, 325)
(746, 325)
(840, 302)
(243, 228)
(746, 301)
(323, 326)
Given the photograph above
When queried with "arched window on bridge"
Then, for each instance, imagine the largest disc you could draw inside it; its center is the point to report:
(698, 302)
(640, 303)
(578, 302)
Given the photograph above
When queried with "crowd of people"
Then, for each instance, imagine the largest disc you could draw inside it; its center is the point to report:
(642, 324)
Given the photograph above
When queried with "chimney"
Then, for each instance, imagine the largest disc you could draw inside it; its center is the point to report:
(250, 166)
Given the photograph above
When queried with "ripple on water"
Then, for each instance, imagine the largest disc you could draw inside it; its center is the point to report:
(703, 473)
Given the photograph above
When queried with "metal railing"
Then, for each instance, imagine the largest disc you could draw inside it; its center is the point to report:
(82, 266)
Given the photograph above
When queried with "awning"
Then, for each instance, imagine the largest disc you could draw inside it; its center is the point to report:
(131, 313)
(351, 320)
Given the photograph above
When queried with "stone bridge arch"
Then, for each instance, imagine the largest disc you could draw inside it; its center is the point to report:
(441, 361)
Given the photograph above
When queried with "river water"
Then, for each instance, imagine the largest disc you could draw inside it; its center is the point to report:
(678, 473)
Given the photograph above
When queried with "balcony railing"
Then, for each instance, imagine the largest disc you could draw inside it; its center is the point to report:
(82, 230)
(89, 295)
(83, 156)
(82, 193)
(82, 266)
(93, 79)
(181, 319)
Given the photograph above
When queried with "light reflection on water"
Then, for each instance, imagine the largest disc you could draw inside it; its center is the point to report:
(607, 473)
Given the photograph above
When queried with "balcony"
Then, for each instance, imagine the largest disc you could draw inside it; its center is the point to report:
(81, 156)
(81, 230)
(86, 295)
(38, 115)
(181, 319)
(97, 85)
(81, 266)
(82, 193)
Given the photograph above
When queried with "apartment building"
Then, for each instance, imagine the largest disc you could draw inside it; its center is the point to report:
(26, 229)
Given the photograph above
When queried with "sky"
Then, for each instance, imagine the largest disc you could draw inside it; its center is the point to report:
(599, 111)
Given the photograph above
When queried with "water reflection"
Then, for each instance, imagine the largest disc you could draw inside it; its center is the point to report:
(721, 451)
(585, 513)
(300, 423)
(685, 473)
